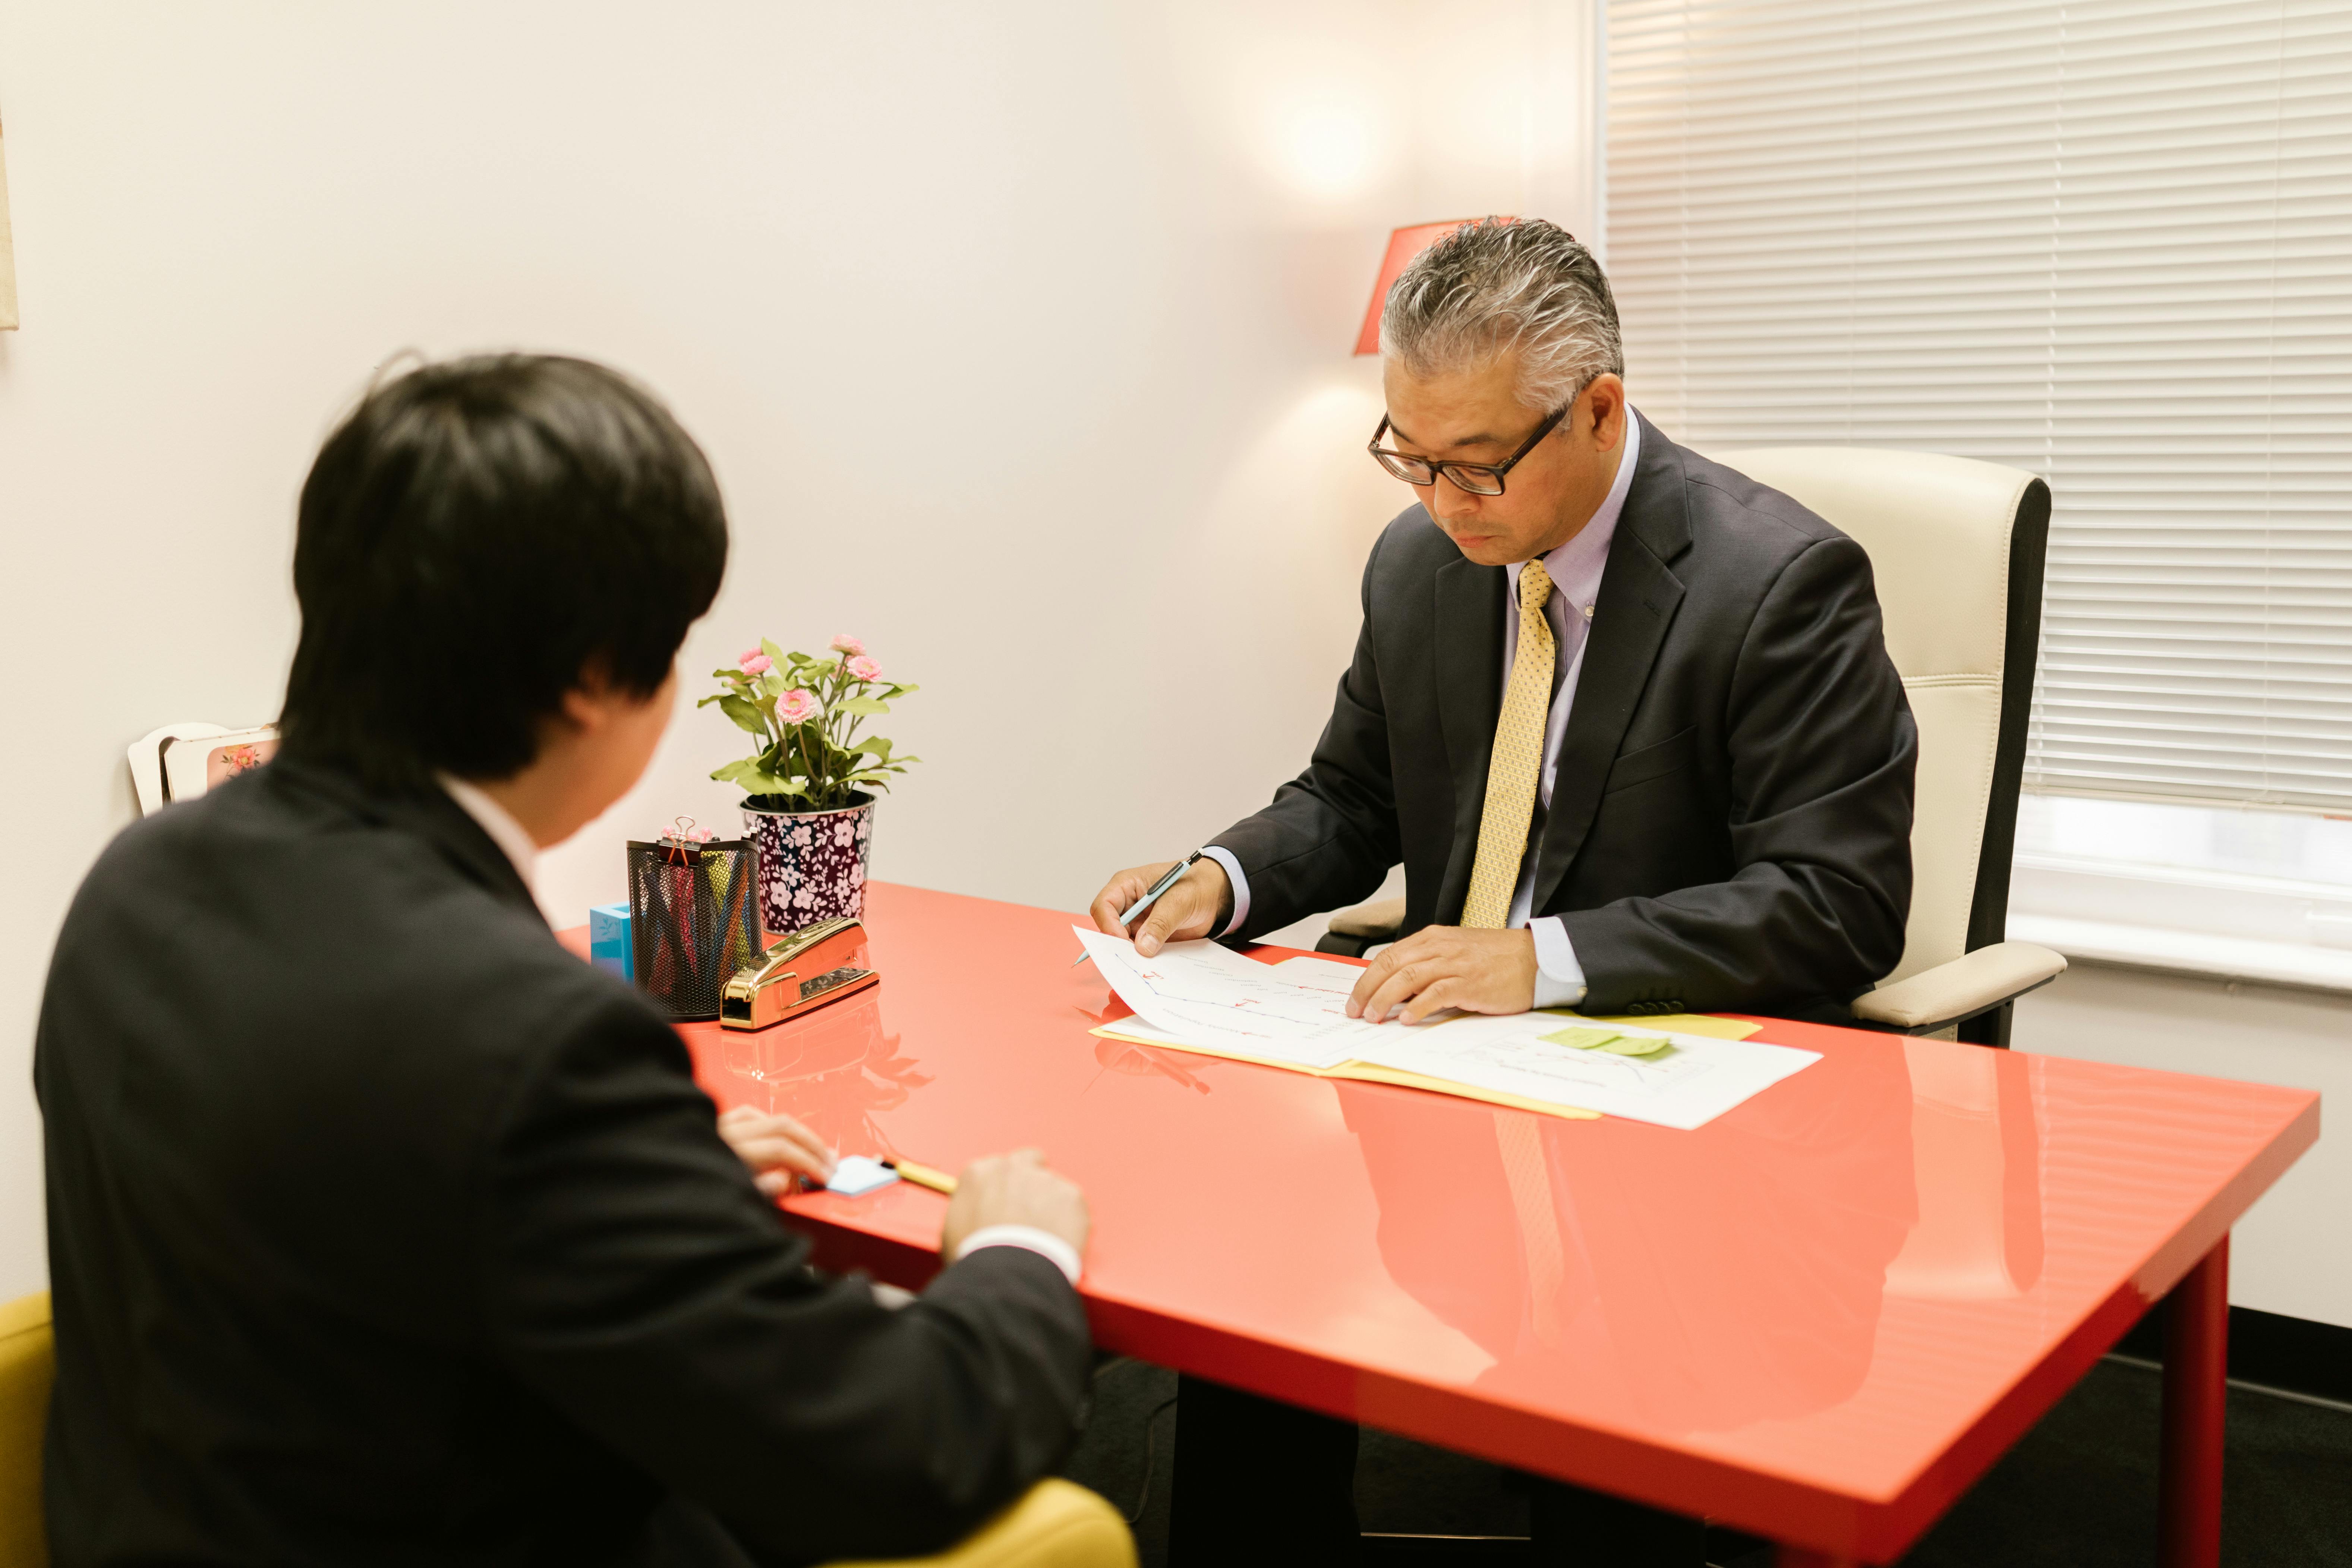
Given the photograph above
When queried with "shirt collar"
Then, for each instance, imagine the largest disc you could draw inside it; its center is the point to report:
(1576, 566)
(512, 839)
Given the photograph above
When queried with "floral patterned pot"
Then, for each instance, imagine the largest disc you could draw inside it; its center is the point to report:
(811, 863)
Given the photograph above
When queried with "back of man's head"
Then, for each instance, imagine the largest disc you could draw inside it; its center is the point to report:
(1502, 285)
(478, 538)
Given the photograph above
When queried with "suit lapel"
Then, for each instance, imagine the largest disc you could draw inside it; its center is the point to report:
(1637, 605)
(1469, 658)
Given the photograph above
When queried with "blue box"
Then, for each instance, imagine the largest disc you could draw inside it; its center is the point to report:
(608, 939)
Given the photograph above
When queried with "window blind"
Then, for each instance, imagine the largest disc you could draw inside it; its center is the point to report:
(2110, 243)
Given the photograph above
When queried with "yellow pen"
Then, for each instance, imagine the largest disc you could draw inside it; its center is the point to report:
(923, 1175)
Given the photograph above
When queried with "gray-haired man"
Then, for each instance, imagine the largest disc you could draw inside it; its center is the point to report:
(1625, 716)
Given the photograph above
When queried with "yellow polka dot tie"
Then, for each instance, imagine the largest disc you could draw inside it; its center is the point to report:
(1518, 758)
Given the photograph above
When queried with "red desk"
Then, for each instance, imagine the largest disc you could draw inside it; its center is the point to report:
(1820, 1318)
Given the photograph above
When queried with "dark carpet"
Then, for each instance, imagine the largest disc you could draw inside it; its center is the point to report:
(2079, 1492)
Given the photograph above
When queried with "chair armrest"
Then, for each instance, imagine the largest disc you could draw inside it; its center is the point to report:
(1376, 921)
(1055, 1524)
(1956, 992)
(1367, 925)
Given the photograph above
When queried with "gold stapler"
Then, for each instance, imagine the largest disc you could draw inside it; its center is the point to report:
(813, 966)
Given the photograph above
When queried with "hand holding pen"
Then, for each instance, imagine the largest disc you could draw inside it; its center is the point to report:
(1176, 901)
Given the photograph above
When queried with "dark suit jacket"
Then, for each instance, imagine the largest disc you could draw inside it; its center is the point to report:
(382, 1229)
(1730, 824)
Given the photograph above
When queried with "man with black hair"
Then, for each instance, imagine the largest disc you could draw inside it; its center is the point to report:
(384, 1229)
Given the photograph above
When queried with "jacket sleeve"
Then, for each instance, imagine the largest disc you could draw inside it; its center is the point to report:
(1329, 835)
(634, 1277)
(1823, 752)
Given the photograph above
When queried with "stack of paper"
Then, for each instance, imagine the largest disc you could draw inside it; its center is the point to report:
(1200, 996)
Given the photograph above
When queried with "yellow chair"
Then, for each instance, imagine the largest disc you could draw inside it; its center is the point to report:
(28, 1362)
(1054, 1525)
(1057, 1524)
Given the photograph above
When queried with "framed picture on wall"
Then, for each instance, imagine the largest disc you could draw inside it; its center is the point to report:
(7, 250)
(181, 762)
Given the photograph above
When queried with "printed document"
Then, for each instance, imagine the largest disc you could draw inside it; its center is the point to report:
(1684, 1081)
(1200, 996)
(1206, 995)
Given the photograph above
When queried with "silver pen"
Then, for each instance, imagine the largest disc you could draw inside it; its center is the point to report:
(1152, 896)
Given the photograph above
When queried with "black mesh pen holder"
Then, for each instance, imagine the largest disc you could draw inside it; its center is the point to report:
(694, 919)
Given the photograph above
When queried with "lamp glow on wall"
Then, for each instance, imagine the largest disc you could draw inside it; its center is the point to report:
(1404, 244)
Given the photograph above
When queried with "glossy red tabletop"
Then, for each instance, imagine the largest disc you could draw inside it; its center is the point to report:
(1819, 1317)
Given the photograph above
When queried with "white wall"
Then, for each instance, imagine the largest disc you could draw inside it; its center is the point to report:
(1010, 329)
(2288, 1254)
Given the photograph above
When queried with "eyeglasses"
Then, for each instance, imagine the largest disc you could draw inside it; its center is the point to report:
(1470, 478)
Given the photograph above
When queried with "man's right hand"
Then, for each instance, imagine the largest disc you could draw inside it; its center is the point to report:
(1014, 1189)
(1200, 904)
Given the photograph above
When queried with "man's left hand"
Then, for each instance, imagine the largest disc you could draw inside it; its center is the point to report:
(1449, 966)
(776, 1148)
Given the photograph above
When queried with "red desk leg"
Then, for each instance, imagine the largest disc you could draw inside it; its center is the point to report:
(2195, 1391)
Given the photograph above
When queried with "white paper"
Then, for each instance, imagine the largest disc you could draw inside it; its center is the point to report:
(1201, 994)
(1213, 995)
(1321, 974)
(1693, 1081)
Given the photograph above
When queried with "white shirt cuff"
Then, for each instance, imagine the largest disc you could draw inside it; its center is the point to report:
(1225, 858)
(1560, 979)
(1044, 1242)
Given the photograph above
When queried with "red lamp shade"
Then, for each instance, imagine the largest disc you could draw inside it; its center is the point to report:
(1403, 245)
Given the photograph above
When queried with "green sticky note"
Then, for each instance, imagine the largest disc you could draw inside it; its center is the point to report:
(1583, 1037)
(1638, 1045)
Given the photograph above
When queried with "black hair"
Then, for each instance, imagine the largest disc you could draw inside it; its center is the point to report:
(478, 538)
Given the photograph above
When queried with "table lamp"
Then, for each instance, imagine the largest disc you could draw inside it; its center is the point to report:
(1404, 244)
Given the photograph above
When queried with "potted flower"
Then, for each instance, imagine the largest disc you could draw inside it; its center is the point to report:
(807, 800)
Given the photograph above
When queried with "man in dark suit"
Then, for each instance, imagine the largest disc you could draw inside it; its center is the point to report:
(382, 1228)
(1626, 717)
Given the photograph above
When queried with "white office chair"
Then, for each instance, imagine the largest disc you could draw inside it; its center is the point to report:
(1957, 547)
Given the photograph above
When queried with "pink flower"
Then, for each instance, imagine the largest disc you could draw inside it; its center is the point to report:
(757, 663)
(845, 643)
(865, 668)
(745, 658)
(795, 707)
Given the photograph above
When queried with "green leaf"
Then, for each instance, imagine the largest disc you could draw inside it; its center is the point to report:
(775, 684)
(863, 705)
(873, 746)
(902, 690)
(746, 715)
(772, 650)
(735, 769)
(757, 783)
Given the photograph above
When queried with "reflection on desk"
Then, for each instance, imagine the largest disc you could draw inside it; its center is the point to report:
(836, 1070)
(1662, 1286)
